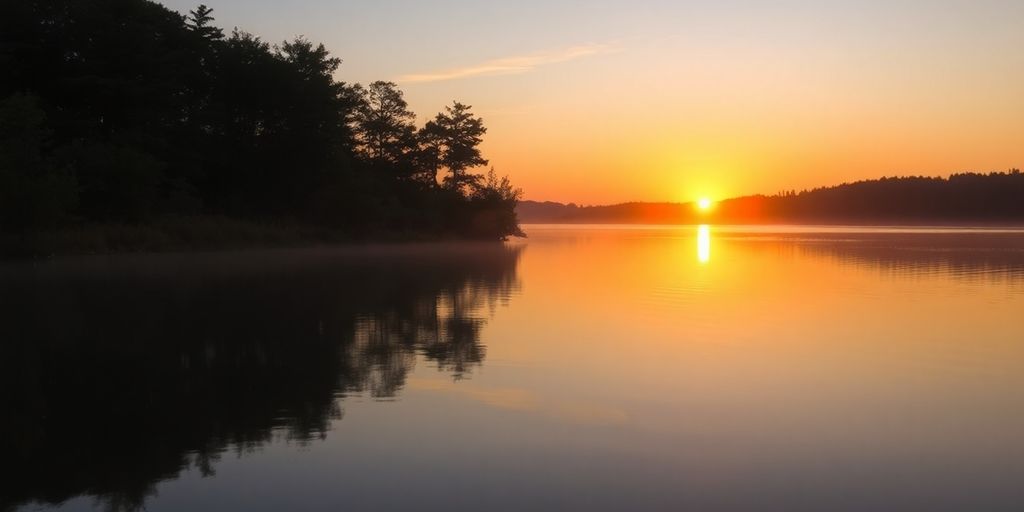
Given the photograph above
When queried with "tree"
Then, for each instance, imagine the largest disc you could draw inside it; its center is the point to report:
(451, 141)
(492, 188)
(494, 203)
(133, 111)
(314, 63)
(384, 127)
(199, 21)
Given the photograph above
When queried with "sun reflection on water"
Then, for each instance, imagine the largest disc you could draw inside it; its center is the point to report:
(704, 243)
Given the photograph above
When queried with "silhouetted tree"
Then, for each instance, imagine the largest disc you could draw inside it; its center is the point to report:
(452, 140)
(498, 200)
(149, 113)
(384, 126)
(199, 20)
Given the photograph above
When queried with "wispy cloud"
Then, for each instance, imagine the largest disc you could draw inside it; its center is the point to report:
(512, 65)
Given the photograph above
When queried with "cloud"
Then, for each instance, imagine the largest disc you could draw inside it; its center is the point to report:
(511, 65)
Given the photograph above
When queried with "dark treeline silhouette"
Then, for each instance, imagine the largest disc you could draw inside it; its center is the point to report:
(160, 364)
(994, 198)
(123, 111)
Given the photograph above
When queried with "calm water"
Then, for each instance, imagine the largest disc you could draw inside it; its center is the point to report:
(594, 368)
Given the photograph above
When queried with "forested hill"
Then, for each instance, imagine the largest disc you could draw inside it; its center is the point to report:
(125, 112)
(994, 198)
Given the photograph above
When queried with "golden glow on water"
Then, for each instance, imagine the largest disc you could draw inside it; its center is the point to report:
(605, 359)
(824, 353)
(704, 243)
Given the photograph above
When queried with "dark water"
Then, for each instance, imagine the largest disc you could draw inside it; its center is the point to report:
(604, 368)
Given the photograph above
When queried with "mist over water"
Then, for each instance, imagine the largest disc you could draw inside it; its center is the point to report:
(597, 367)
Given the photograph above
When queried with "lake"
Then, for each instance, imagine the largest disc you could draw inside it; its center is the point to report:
(584, 368)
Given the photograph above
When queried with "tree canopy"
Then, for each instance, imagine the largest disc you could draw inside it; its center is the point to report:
(125, 111)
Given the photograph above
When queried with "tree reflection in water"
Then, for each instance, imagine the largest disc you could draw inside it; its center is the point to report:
(119, 373)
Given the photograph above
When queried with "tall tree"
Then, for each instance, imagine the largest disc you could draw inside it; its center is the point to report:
(384, 127)
(199, 21)
(453, 140)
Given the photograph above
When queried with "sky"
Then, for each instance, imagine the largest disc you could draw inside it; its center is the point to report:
(601, 101)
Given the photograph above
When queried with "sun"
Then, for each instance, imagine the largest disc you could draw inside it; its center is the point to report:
(704, 204)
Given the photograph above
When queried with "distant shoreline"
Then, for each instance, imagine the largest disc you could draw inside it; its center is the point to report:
(965, 199)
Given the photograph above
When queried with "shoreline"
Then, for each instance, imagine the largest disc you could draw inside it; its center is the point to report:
(197, 234)
(222, 234)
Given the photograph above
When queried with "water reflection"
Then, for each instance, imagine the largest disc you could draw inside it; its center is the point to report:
(960, 254)
(704, 243)
(978, 256)
(120, 373)
(803, 369)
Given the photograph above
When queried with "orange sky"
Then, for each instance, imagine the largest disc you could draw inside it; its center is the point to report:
(606, 101)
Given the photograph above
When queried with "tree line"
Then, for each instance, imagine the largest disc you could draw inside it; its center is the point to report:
(995, 197)
(126, 111)
(969, 197)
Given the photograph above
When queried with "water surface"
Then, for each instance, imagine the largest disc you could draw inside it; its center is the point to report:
(598, 367)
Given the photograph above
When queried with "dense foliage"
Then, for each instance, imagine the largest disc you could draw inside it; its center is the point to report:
(125, 111)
